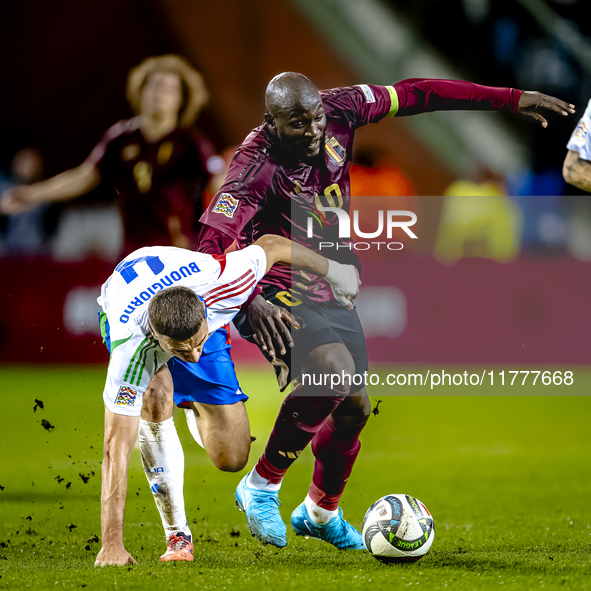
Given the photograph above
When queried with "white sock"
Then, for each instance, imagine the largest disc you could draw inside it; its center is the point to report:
(256, 481)
(317, 514)
(192, 424)
(164, 465)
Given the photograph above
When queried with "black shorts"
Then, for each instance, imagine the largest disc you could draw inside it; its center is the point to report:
(321, 323)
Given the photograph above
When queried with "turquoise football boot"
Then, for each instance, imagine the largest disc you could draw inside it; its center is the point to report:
(262, 514)
(337, 531)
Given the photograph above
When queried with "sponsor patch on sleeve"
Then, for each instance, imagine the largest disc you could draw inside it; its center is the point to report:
(126, 396)
(226, 205)
(369, 97)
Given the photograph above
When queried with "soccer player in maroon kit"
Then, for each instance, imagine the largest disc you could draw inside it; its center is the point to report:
(287, 168)
(154, 163)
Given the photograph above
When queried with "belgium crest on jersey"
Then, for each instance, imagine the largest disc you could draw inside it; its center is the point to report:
(335, 151)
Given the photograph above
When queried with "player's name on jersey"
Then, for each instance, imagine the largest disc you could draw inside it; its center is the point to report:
(151, 290)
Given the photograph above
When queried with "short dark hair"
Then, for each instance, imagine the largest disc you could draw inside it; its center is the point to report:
(176, 312)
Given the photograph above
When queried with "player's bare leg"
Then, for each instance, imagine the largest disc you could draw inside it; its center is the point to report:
(225, 433)
(164, 464)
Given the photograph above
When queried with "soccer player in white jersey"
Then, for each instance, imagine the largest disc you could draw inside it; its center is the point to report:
(163, 303)
(577, 164)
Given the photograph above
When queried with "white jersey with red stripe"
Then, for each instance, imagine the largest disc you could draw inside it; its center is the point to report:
(580, 139)
(224, 283)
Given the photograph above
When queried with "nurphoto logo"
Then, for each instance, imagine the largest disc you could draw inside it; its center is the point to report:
(388, 220)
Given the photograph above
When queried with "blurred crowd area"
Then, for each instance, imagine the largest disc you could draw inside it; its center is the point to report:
(91, 225)
(485, 216)
(532, 44)
(529, 44)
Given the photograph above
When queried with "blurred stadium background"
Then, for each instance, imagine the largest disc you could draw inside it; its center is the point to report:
(500, 272)
(499, 277)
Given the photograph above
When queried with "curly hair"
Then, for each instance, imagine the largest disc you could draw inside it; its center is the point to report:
(195, 94)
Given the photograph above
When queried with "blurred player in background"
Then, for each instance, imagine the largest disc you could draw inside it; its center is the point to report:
(144, 326)
(577, 164)
(286, 170)
(25, 233)
(156, 164)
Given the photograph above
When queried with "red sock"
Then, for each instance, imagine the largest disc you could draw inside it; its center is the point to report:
(328, 502)
(268, 471)
(301, 416)
(335, 448)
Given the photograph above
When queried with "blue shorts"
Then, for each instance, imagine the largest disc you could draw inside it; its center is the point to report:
(212, 380)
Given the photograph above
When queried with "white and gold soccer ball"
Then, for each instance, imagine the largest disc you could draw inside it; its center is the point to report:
(398, 528)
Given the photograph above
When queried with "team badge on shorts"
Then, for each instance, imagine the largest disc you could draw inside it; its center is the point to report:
(226, 204)
(335, 151)
(126, 396)
(367, 91)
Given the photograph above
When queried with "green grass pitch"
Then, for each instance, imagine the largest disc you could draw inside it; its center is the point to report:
(507, 479)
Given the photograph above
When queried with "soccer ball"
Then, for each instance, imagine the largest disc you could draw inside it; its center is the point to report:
(398, 528)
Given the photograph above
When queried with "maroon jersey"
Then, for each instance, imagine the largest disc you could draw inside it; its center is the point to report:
(159, 184)
(268, 191)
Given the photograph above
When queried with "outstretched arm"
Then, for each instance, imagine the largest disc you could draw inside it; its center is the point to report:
(420, 95)
(67, 185)
(531, 103)
(576, 171)
(343, 279)
(120, 436)
(269, 322)
(281, 250)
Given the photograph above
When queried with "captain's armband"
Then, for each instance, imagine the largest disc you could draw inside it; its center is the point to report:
(393, 101)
